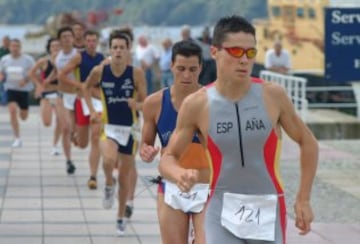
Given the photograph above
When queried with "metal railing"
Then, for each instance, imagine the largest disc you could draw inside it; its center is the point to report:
(297, 91)
(294, 86)
(347, 103)
(327, 89)
(356, 88)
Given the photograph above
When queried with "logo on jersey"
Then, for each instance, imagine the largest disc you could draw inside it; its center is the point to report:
(107, 84)
(166, 135)
(127, 84)
(117, 99)
(251, 108)
(127, 93)
(255, 124)
(223, 127)
(108, 92)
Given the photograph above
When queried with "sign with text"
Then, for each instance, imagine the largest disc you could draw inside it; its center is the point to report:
(342, 44)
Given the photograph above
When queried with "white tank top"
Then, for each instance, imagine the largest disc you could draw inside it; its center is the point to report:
(62, 59)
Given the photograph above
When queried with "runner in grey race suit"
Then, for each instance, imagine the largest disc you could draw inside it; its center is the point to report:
(239, 120)
(247, 165)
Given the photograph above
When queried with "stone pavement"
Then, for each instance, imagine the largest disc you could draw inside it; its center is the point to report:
(39, 203)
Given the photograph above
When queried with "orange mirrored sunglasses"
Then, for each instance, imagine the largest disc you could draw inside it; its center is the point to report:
(238, 52)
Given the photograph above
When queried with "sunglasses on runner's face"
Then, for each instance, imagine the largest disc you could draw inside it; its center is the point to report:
(238, 52)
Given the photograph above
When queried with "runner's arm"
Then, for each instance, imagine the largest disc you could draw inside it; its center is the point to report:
(92, 80)
(68, 69)
(309, 151)
(33, 72)
(186, 126)
(2, 70)
(148, 135)
(140, 83)
(301, 134)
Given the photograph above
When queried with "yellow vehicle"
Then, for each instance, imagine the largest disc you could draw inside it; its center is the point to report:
(299, 24)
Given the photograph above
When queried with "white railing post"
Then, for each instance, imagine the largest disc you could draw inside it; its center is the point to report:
(295, 87)
(356, 89)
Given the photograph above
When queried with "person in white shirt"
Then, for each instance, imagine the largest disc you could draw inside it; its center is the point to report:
(167, 78)
(14, 68)
(278, 59)
(148, 57)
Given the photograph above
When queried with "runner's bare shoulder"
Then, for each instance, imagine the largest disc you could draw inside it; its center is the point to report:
(195, 103)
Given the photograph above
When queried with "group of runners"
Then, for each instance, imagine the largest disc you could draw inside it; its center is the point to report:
(219, 145)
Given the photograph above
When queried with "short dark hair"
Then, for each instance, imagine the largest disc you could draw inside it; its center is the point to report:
(187, 49)
(79, 23)
(48, 43)
(231, 24)
(64, 29)
(91, 33)
(15, 40)
(119, 36)
(125, 31)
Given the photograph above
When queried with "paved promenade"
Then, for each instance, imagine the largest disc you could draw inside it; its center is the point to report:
(41, 204)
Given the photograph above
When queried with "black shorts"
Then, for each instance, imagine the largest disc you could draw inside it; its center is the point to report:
(19, 97)
(129, 149)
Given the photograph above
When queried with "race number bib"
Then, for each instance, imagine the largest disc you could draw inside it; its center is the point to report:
(192, 201)
(136, 131)
(250, 216)
(52, 97)
(95, 102)
(119, 133)
(69, 100)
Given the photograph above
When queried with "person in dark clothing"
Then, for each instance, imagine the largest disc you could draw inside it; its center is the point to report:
(4, 49)
(208, 73)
